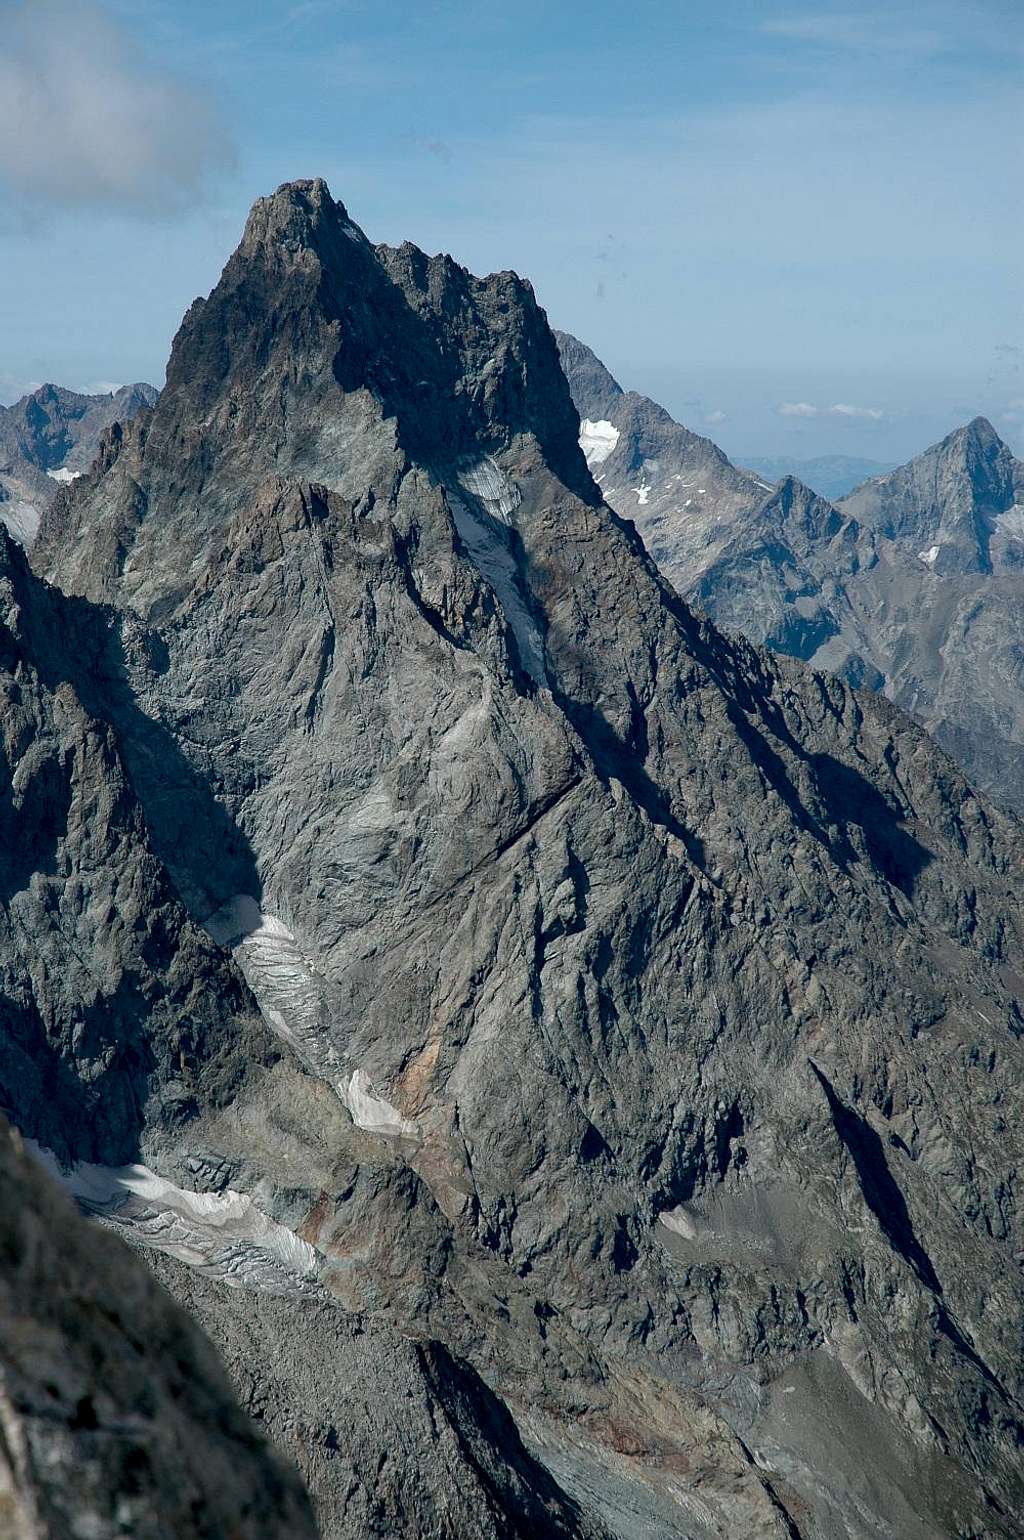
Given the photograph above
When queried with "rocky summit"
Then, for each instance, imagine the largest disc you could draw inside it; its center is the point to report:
(913, 584)
(566, 1058)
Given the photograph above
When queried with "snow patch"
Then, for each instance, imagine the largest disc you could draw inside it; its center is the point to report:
(288, 988)
(64, 475)
(372, 1112)
(597, 440)
(679, 1222)
(487, 482)
(929, 556)
(291, 995)
(484, 539)
(223, 1235)
(1011, 523)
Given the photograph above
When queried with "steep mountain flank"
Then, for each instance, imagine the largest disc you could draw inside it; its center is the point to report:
(913, 584)
(962, 500)
(648, 1003)
(680, 490)
(134, 1058)
(944, 601)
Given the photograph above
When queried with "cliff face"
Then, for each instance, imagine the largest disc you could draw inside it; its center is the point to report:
(645, 1006)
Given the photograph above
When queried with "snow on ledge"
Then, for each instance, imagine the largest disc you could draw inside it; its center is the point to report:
(929, 556)
(290, 994)
(21, 520)
(679, 1222)
(64, 475)
(597, 440)
(1011, 523)
(487, 482)
(481, 534)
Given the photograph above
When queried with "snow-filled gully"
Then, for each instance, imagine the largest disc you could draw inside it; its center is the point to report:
(223, 1235)
(291, 995)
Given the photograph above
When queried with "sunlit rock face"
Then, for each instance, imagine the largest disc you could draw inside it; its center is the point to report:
(624, 1017)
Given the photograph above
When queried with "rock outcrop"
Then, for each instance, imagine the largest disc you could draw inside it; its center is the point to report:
(641, 1014)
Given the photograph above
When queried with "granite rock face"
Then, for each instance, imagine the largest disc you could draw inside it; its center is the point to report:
(641, 1014)
(913, 584)
(51, 437)
(117, 1418)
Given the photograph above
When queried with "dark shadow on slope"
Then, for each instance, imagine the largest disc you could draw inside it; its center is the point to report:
(525, 1500)
(891, 849)
(32, 824)
(884, 1197)
(43, 1094)
(846, 796)
(208, 857)
(614, 759)
(882, 1193)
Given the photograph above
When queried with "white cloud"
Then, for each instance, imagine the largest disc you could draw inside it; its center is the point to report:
(99, 388)
(873, 31)
(716, 417)
(841, 409)
(84, 120)
(870, 413)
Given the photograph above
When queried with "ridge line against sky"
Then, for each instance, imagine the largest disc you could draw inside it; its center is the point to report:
(800, 228)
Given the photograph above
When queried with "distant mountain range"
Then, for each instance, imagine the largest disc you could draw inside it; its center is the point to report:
(912, 584)
(830, 475)
(52, 436)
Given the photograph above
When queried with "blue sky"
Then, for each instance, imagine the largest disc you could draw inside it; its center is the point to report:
(798, 226)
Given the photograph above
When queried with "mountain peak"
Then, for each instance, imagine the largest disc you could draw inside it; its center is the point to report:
(311, 324)
(947, 499)
(297, 215)
(976, 435)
